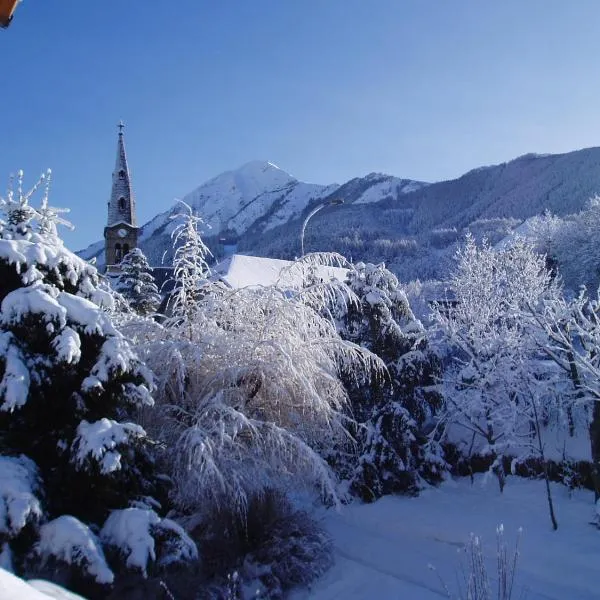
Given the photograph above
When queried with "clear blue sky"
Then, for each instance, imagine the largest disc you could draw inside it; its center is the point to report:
(326, 89)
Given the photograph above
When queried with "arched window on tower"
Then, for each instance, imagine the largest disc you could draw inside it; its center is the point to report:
(125, 249)
(121, 203)
(121, 174)
(118, 253)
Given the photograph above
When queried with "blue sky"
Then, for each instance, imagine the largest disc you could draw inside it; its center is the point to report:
(326, 89)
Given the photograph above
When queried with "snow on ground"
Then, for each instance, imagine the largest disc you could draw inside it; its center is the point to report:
(383, 549)
(388, 187)
(13, 588)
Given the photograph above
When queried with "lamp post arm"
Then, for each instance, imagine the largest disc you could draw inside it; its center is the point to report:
(311, 214)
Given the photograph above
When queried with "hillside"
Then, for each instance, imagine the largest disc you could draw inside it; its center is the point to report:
(256, 198)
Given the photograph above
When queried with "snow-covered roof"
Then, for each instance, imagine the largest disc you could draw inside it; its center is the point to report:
(240, 270)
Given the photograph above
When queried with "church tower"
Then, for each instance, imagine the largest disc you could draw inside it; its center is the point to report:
(121, 231)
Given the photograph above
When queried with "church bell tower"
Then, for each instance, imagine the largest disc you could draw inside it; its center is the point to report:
(121, 231)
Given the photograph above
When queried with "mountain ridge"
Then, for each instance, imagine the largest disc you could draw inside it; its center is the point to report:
(263, 206)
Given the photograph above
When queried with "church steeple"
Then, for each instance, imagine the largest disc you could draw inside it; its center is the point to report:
(121, 231)
(121, 208)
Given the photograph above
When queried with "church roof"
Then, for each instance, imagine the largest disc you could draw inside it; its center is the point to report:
(240, 271)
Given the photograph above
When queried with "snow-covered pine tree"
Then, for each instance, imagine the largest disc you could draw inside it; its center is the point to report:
(394, 408)
(18, 214)
(70, 386)
(136, 283)
(190, 269)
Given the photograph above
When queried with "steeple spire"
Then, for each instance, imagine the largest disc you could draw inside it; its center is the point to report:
(121, 207)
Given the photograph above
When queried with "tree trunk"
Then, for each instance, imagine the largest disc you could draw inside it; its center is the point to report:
(595, 447)
(538, 427)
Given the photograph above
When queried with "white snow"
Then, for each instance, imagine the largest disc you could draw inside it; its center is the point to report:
(37, 299)
(129, 530)
(100, 439)
(54, 257)
(18, 503)
(14, 385)
(236, 199)
(383, 549)
(297, 200)
(68, 346)
(522, 231)
(52, 590)
(68, 539)
(86, 314)
(14, 588)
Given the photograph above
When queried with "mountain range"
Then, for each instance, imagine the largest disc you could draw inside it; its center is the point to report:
(383, 217)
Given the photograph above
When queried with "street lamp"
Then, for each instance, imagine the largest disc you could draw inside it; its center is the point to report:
(312, 213)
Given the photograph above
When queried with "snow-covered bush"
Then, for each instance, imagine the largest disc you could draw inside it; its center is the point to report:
(393, 408)
(136, 283)
(248, 385)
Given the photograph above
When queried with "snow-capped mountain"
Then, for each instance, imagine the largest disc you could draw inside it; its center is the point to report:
(256, 198)
(384, 218)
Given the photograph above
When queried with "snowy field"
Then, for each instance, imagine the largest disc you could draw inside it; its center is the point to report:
(383, 549)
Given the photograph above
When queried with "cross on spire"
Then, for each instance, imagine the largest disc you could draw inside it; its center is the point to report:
(121, 126)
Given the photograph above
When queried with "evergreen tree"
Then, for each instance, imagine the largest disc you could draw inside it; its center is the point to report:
(70, 386)
(136, 283)
(394, 409)
(190, 270)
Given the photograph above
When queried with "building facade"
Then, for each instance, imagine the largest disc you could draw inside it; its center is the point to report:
(121, 231)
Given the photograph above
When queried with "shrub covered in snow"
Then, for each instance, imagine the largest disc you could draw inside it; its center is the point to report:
(474, 580)
(248, 386)
(273, 548)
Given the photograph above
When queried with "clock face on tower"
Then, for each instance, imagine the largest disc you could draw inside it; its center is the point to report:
(122, 232)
